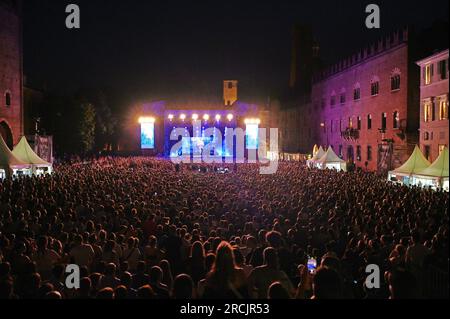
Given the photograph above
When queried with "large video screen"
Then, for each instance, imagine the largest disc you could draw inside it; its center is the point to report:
(251, 132)
(147, 136)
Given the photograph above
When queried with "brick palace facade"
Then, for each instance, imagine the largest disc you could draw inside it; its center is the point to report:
(367, 106)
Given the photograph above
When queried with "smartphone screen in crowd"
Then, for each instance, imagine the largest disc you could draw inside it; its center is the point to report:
(312, 265)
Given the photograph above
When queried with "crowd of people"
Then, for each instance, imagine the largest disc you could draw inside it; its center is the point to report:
(147, 229)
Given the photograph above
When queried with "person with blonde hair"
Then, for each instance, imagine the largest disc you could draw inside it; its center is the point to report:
(225, 280)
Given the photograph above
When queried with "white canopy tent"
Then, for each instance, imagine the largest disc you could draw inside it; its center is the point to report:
(9, 164)
(436, 175)
(318, 154)
(25, 153)
(415, 163)
(332, 161)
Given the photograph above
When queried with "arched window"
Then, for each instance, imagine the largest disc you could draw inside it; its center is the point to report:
(356, 92)
(383, 121)
(333, 98)
(8, 99)
(395, 120)
(369, 152)
(358, 153)
(395, 79)
(342, 96)
(443, 108)
(375, 86)
(428, 111)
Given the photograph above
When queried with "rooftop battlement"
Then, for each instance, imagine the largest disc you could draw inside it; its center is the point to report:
(390, 41)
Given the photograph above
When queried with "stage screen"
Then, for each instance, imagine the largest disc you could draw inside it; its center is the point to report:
(251, 132)
(147, 136)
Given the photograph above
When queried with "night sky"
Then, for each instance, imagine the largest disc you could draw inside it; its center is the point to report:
(151, 49)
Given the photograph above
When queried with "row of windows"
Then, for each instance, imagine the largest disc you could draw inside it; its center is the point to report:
(428, 71)
(350, 124)
(374, 89)
(429, 110)
(369, 152)
(428, 136)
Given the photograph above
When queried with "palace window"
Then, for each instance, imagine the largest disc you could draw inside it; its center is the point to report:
(395, 120)
(395, 82)
(443, 109)
(428, 71)
(358, 123)
(342, 96)
(8, 99)
(427, 111)
(395, 79)
(427, 152)
(369, 122)
(358, 153)
(383, 121)
(333, 99)
(442, 68)
(375, 86)
(357, 92)
(369, 153)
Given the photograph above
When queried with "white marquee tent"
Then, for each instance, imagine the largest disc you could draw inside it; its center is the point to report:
(318, 154)
(25, 153)
(435, 175)
(332, 161)
(9, 163)
(415, 164)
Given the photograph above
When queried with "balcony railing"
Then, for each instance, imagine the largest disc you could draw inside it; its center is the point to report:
(350, 134)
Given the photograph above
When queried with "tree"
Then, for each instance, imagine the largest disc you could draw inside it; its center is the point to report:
(105, 123)
(87, 127)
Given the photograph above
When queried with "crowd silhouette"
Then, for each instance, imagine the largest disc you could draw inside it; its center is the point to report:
(143, 228)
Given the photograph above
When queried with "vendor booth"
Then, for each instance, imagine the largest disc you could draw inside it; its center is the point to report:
(436, 175)
(405, 173)
(25, 153)
(331, 161)
(317, 154)
(10, 165)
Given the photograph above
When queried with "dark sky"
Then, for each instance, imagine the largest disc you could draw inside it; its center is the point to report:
(149, 49)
